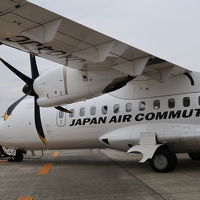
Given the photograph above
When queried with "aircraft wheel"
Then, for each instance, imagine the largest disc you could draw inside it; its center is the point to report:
(194, 155)
(163, 161)
(18, 157)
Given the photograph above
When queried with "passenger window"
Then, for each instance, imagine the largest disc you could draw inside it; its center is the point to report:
(93, 111)
(128, 107)
(156, 105)
(82, 112)
(186, 101)
(61, 114)
(116, 108)
(171, 103)
(104, 110)
(142, 106)
(71, 114)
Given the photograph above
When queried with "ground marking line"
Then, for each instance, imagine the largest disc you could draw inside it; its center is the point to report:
(55, 154)
(25, 198)
(45, 169)
(3, 161)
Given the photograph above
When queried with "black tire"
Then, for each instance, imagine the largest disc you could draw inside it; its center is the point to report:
(163, 160)
(194, 155)
(18, 157)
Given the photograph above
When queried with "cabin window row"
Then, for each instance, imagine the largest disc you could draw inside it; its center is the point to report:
(129, 107)
(104, 110)
(171, 103)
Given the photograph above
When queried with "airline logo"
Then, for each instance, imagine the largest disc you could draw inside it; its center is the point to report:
(138, 118)
(168, 115)
(101, 120)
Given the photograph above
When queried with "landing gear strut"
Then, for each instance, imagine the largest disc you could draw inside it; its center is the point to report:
(18, 157)
(2, 152)
(194, 155)
(163, 160)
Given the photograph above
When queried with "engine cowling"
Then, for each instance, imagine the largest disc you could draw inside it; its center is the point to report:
(64, 85)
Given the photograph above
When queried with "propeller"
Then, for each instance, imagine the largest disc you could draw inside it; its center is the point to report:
(29, 91)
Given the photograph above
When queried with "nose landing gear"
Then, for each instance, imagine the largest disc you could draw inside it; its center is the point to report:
(18, 157)
(3, 154)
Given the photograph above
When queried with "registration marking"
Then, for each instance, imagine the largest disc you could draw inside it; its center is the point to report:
(45, 169)
(55, 154)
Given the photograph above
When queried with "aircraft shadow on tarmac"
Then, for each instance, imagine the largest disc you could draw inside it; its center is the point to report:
(184, 163)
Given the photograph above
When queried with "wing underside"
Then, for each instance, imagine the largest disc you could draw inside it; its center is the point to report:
(30, 28)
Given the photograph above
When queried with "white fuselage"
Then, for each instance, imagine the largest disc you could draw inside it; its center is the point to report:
(170, 109)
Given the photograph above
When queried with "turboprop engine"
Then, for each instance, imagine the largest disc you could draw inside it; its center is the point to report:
(64, 85)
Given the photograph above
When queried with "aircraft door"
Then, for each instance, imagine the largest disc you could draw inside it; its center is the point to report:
(61, 119)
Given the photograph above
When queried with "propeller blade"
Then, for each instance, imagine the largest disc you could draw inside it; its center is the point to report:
(63, 109)
(38, 122)
(12, 107)
(22, 76)
(34, 69)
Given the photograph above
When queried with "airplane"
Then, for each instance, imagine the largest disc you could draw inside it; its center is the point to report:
(107, 94)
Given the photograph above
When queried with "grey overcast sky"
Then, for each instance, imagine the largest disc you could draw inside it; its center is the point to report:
(169, 29)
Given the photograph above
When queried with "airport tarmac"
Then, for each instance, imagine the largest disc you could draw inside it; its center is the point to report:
(96, 175)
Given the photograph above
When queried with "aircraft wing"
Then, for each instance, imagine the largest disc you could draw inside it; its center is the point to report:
(30, 28)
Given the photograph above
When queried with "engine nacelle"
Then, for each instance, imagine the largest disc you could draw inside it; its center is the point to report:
(66, 85)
